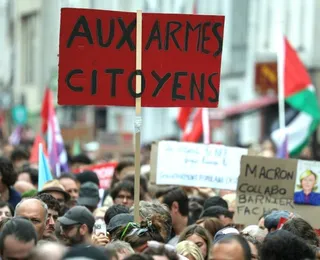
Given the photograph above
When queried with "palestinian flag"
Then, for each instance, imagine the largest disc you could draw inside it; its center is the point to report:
(300, 95)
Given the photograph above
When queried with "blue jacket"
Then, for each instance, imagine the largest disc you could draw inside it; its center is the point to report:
(312, 199)
(14, 197)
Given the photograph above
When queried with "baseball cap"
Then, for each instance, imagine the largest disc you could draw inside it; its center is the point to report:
(89, 194)
(272, 220)
(215, 201)
(77, 215)
(216, 211)
(118, 221)
(85, 252)
(224, 232)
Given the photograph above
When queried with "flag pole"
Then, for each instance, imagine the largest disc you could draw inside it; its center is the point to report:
(280, 72)
(137, 162)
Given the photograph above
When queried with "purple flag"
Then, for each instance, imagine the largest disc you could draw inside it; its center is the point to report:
(57, 154)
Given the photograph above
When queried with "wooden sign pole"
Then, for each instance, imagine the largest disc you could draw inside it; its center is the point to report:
(137, 123)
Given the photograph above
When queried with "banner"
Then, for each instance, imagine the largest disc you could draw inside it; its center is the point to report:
(104, 172)
(197, 165)
(181, 59)
(269, 184)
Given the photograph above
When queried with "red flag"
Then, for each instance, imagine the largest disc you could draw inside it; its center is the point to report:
(194, 127)
(183, 116)
(45, 111)
(296, 77)
(34, 157)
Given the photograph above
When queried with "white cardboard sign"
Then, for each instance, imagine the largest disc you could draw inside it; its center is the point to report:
(198, 165)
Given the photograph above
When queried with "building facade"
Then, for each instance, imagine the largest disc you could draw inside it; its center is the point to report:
(30, 33)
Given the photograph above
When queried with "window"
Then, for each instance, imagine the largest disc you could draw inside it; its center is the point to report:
(28, 26)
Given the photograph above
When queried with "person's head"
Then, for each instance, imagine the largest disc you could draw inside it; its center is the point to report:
(222, 213)
(148, 209)
(161, 252)
(6, 210)
(231, 200)
(53, 212)
(88, 176)
(23, 186)
(271, 221)
(19, 157)
(48, 251)
(117, 222)
(254, 244)
(17, 238)
(79, 160)
(123, 193)
(143, 185)
(178, 203)
(281, 244)
(124, 167)
(308, 181)
(189, 250)
(255, 231)
(302, 229)
(199, 236)
(122, 249)
(212, 225)
(36, 211)
(113, 211)
(76, 225)
(8, 175)
(70, 184)
(89, 196)
(195, 210)
(55, 189)
(28, 174)
(215, 201)
(138, 235)
(86, 252)
(233, 247)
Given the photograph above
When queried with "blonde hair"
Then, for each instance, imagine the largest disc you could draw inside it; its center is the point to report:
(306, 174)
(188, 248)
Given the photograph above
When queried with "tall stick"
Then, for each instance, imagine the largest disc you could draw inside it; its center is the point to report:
(280, 72)
(138, 117)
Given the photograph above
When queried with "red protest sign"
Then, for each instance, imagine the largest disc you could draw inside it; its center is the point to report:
(104, 172)
(181, 59)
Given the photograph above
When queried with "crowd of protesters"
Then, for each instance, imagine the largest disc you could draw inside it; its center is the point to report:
(69, 218)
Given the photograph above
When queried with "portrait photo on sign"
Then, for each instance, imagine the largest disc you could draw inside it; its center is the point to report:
(307, 186)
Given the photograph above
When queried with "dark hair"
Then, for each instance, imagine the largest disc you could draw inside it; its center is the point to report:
(216, 212)
(81, 158)
(138, 257)
(68, 175)
(281, 244)
(180, 197)
(49, 200)
(215, 201)
(302, 229)
(161, 251)
(212, 225)
(9, 176)
(122, 186)
(19, 154)
(195, 210)
(20, 228)
(143, 182)
(87, 176)
(33, 173)
(113, 211)
(124, 163)
(240, 240)
(6, 204)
